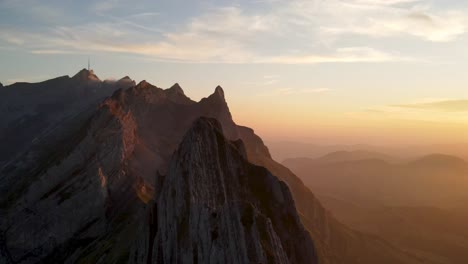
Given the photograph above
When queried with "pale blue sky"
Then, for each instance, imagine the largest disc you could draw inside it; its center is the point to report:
(324, 59)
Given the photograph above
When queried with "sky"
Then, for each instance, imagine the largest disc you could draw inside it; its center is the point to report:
(317, 71)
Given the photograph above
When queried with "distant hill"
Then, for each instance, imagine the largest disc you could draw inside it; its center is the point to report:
(420, 206)
(439, 161)
(432, 180)
(281, 150)
(343, 156)
(440, 235)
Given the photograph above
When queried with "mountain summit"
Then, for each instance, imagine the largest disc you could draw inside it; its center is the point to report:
(86, 75)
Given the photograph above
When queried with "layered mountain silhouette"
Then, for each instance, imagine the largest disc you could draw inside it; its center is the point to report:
(282, 150)
(148, 175)
(341, 156)
(441, 180)
(419, 206)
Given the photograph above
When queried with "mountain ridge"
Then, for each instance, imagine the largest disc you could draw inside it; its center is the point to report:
(117, 159)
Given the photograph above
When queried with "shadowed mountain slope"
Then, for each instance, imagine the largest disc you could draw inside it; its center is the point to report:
(31, 112)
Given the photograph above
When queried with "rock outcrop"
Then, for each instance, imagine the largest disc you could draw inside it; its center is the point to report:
(215, 207)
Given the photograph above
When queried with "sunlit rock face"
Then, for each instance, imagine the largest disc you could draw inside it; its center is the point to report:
(215, 207)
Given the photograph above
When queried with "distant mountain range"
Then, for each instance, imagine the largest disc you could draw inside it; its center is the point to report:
(371, 177)
(420, 206)
(118, 172)
(355, 155)
(282, 150)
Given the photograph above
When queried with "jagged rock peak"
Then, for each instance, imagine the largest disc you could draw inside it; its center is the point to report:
(86, 75)
(1, 85)
(176, 88)
(217, 97)
(144, 84)
(126, 78)
(219, 92)
(216, 207)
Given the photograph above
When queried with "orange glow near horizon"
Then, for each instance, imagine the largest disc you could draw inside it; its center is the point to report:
(350, 128)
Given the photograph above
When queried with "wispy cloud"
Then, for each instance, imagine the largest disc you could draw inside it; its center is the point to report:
(383, 19)
(350, 54)
(293, 32)
(267, 80)
(40, 12)
(384, 2)
(443, 105)
(105, 5)
(293, 91)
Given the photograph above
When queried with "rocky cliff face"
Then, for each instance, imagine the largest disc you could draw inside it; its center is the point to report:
(94, 191)
(215, 207)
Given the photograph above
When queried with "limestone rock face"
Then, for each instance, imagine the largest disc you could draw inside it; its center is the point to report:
(215, 207)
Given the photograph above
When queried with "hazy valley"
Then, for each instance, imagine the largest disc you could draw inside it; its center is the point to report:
(419, 204)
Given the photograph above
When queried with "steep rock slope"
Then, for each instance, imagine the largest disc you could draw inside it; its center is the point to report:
(215, 207)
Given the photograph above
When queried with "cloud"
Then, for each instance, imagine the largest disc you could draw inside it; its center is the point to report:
(201, 43)
(319, 90)
(40, 12)
(52, 51)
(350, 54)
(385, 19)
(105, 5)
(385, 2)
(444, 105)
(293, 91)
(292, 32)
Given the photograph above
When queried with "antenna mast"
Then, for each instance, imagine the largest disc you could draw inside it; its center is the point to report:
(88, 64)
